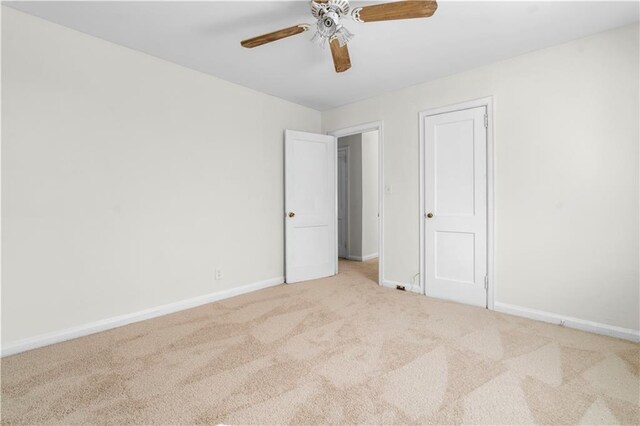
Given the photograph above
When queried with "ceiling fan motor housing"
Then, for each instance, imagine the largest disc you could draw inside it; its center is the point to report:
(341, 7)
(329, 15)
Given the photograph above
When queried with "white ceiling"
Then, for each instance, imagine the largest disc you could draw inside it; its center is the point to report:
(206, 36)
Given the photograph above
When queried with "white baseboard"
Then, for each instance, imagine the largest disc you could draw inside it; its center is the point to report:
(362, 258)
(120, 320)
(579, 324)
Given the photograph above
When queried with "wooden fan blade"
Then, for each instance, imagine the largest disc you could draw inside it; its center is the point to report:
(274, 36)
(398, 10)
(341, 60)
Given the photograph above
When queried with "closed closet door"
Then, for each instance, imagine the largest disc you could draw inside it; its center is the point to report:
(455, 218)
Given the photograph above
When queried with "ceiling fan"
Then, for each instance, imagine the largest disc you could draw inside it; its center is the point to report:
(329, 15)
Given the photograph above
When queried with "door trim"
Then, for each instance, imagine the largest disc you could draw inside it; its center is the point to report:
(482, 102)
(348, 236)
(362, 128)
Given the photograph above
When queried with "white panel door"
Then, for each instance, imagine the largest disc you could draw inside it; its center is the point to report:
(455, 220)
(343, 199)
(310, 206)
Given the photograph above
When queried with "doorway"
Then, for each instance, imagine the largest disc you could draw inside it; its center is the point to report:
(359, 196)
(456, 217)
(343, 201)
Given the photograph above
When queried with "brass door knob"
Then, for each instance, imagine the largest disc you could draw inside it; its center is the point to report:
(291, 214)
(429, 215)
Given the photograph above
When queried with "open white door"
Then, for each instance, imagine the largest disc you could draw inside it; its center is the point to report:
(455, 222)
(310, 206)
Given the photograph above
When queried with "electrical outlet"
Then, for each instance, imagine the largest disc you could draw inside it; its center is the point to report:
(218, 274)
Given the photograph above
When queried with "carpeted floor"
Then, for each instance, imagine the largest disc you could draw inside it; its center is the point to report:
(338, 350)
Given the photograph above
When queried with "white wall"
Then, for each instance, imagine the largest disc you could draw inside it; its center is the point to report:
(127, 179)
(370, 194)
(566, 177)
(354, 166)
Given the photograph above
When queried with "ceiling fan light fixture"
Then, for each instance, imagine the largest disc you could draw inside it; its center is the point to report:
(329, 24)
(343, 35)
(319, 39)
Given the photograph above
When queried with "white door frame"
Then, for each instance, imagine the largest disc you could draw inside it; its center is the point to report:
(488, 103)
(348, 236)
(363, 128)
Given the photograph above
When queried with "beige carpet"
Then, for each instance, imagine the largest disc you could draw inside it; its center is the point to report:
(338, 350)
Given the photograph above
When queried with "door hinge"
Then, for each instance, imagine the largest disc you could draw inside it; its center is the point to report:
(486, 282)
(486, 121)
